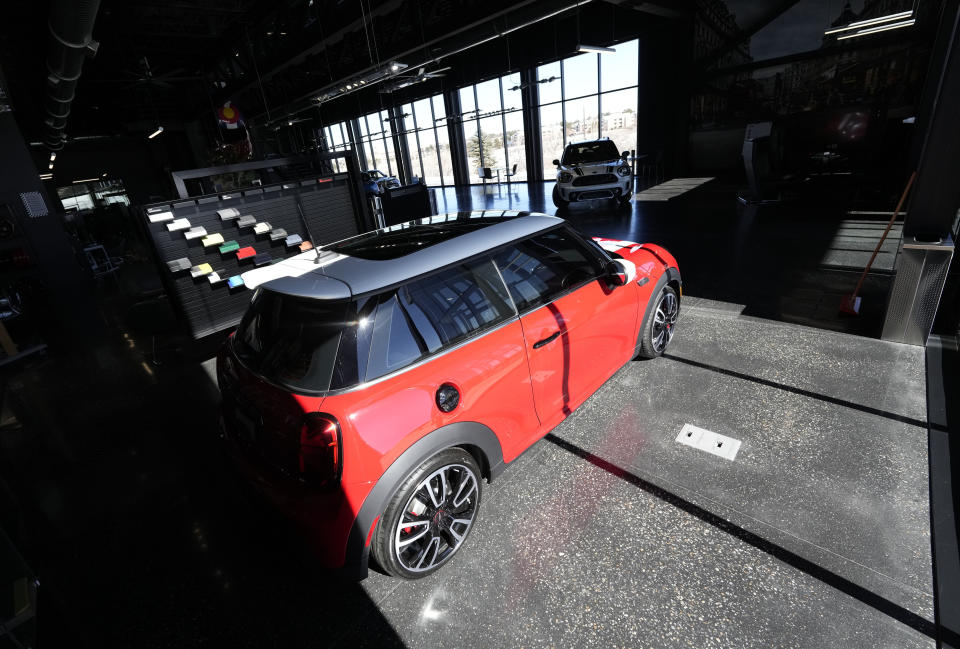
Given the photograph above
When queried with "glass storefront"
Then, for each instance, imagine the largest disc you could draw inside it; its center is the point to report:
(581, 97)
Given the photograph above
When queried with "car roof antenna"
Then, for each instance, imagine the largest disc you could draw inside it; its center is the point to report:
(306, 227)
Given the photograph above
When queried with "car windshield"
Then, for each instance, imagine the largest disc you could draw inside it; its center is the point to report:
(588, 152)
(293, 341)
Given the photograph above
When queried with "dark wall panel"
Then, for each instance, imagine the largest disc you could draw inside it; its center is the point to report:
(207, 308)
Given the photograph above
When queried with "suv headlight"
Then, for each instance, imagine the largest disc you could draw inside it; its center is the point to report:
(565, 177)
(623, 171)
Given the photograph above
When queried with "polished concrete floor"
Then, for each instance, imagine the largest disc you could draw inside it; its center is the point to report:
(606, 533)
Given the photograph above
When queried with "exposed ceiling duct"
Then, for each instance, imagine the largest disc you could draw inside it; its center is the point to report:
(71, 41)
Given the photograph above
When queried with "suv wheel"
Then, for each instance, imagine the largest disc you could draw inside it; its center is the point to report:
(430, 516)
(558, 200)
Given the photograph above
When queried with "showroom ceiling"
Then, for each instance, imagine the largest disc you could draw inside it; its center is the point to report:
(175, 60)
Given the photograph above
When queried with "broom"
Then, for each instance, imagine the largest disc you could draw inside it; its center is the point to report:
(850, 304)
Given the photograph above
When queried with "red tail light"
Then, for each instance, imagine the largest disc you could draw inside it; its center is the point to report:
(321, 449)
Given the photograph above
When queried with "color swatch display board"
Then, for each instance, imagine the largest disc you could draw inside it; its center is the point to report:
(204, 244)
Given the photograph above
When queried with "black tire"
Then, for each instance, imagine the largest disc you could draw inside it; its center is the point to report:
(558, 200)
(446, 518)
(661, 323)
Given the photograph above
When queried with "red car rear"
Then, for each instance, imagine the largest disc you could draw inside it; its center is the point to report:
(374, 384)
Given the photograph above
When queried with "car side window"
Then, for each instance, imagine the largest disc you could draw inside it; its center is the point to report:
(426, 315)
(541, 268)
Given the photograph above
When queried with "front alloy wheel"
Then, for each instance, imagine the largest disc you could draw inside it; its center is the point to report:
(430, 516)
(661, 325)
(664, 320)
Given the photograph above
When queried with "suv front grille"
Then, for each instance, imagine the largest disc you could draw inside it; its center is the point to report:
(596, 179)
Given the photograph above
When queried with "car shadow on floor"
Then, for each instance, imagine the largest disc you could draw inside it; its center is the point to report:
(792, 559)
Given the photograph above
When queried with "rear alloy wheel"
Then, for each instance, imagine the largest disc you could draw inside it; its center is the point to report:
(430, 516)
(558, 199)
(658, 332)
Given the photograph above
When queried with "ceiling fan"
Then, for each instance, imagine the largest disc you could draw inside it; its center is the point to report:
(290, 122)
(144, 76)
(421, 75)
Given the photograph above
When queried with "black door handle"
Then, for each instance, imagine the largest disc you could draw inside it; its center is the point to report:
(546, 341)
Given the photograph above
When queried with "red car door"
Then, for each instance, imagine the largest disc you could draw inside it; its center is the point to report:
(577, 330)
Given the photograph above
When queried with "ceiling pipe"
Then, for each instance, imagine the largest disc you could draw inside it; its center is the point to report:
(71, 41)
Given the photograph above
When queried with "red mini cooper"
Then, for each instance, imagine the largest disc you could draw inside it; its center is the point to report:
(374, 384)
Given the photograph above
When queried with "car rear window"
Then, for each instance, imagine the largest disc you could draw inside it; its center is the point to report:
(293, 341)
(309, 345)
(589, 152)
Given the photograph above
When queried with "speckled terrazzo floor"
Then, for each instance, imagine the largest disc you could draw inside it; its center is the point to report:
(609, 533)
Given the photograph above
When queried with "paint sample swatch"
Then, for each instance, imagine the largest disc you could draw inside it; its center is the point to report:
(160, 217)
(229, 246)
(212, 240)
(195, 233)
(200, 270)
(177, 265)
(178, 224)
(246, 253)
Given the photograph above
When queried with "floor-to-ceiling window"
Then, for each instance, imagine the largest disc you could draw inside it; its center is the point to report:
(425, 135)
(376, 136)
(587, 96)
(493, 128)
(337, 139)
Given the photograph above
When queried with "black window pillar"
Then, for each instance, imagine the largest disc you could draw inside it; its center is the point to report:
(405, 171)
(458, 153)
(936, 194)
(353, 130)
(663, 94)
(530, 98)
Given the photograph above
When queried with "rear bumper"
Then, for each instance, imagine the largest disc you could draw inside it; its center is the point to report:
(324, 516)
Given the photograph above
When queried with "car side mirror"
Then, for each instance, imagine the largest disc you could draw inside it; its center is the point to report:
(556, 163)
(616, 274)
(625, 154)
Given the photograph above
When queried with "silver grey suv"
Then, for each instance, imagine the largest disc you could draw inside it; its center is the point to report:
(590, 170)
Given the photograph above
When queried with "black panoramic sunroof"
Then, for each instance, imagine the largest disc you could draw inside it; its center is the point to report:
(391, 243)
